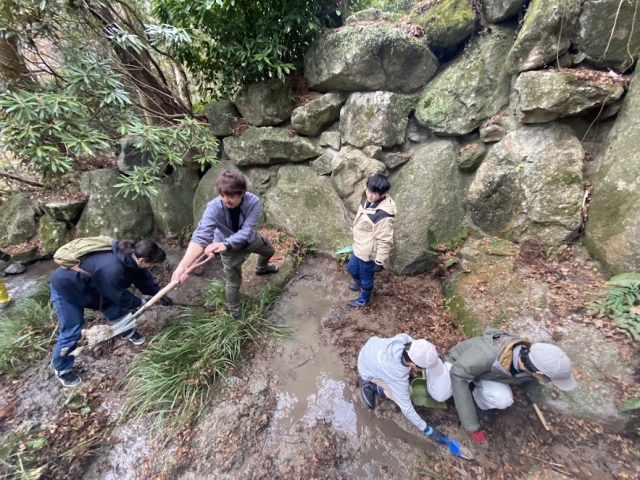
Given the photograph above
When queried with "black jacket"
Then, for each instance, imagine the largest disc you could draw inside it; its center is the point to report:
(112, 273)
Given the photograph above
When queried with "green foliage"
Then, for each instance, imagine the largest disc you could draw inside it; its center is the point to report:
(236, 42)
(436, 248)
(632, 407)
(621, 303)
(174, 378)
(26, 332)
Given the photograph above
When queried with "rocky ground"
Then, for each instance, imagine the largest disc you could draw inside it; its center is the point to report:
(292, 409)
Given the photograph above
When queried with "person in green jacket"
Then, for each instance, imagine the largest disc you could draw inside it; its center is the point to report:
(482, 368)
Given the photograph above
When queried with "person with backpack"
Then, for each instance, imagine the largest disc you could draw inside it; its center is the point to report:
(100, 280)
(5, 299)
(228, 227)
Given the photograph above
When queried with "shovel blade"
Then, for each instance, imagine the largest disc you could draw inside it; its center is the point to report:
(102, 333)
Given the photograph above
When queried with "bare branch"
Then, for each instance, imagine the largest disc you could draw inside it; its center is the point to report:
(22, 180)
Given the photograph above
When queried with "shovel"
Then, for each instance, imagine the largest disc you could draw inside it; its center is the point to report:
(101, 333)
(457, 449)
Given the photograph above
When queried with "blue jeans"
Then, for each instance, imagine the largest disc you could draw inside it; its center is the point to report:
(362, 272)
(71, 318)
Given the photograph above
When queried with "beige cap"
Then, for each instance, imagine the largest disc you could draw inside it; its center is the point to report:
(425, 355)
(554, 363)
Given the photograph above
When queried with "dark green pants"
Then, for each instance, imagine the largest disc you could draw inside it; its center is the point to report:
(232, 264)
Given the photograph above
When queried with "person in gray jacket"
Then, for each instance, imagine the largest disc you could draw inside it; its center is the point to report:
(482, 368)
(384, 365)
(228, 227)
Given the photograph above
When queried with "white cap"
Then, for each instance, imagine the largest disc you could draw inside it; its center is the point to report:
(554, 363)
(425, 355)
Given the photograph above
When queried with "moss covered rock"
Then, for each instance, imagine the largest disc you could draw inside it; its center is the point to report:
(265, 103)
(471, 89)
(499, 10)
(428, 194)
(368, 58)
(173, 206)
(350, 169)
(530, 183)
(269, 146)
(311, 119)
(446, 23)
(549, 94)
(68, 212)
(613, 226)
(471, 156)
(17, 222)
(375, 118)
(110, 214)
(609, 35)
(222, 116)
(546, 33)
(302, 203)
(53, 234)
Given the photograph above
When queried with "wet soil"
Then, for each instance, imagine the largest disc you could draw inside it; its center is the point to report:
(293, 409)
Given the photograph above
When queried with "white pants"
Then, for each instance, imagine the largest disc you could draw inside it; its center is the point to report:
(487, 394)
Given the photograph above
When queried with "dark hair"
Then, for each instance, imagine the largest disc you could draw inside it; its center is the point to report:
(526, 361)
(230, 182)
(146, 249)
(405, 353)
(378, 183)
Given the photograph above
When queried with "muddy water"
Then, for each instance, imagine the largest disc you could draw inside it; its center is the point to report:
(314, 387)
(36, 274)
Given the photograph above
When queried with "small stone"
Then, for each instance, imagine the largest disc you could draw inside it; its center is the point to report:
(15, 269)
(330, 139)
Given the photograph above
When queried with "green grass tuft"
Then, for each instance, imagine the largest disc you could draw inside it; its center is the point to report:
(27, 331)
(173, 379)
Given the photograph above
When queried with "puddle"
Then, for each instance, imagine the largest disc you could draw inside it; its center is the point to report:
(21, 285)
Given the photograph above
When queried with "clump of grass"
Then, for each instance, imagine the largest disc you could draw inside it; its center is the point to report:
(27, 331)
(173, 379)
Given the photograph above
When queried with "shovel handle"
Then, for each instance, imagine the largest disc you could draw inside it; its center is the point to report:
(153, 300)
(543, 420)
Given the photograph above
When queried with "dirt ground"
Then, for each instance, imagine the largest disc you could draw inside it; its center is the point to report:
(293, 410)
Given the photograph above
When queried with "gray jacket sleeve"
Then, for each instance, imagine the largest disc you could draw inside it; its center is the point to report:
(246, 233)
(463, 371)
(204, 233)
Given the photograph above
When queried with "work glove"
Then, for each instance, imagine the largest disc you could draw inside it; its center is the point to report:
(142, 303)
(166, 301)
(479, 437)
(435, 435)
(5, 257)
(378, 268)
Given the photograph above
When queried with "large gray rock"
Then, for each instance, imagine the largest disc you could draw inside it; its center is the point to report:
(429, 196)
(17, 222)
(68, 212)
(303, 203)
(613, 227)
(368, 58)
(473, 88)
(222, 116)
(261, 178)
(322, 164)
(128, 156)
(53, 234)
(530, 183)
(173, 206)
(311, 119)
(545, 34)
(350, 169)
(206, 190)
(609, 35)
(265, 103)
(371, 15)
(110, 214)
(375, 118)
(549, 94)
(269, 146)
(445, 24)
(498, 10)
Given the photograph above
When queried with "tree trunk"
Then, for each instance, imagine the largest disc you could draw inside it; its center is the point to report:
(158, 96)
(13, 69)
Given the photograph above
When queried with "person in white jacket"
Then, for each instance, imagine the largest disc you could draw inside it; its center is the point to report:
(384, 365)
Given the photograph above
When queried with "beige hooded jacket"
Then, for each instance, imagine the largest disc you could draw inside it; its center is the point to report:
(373, 231)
